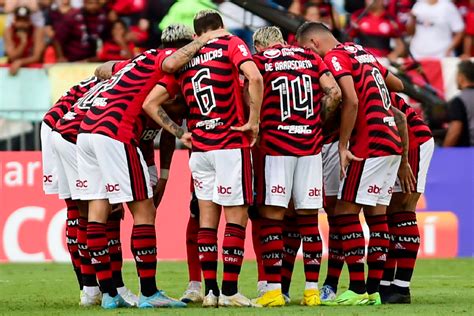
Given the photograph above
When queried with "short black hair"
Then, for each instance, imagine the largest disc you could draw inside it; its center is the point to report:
(466, 68)
(207, 20)
(309, 27)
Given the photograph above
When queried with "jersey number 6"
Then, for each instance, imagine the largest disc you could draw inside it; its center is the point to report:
(204, 94)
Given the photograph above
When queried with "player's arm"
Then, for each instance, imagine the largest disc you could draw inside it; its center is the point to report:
(349, 108)
(393, 83)
(405, 174)
(255, 95)
(153, 107)
(182, 56)
(332, 95)
(107, 69)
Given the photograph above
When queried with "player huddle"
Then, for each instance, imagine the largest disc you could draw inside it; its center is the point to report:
(275, 136)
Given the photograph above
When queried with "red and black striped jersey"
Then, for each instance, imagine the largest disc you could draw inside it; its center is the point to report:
(418, 130)
(290, 115)
(116, 109)
(210, 85)
(68, 125)
(375, 133)
(64, 104)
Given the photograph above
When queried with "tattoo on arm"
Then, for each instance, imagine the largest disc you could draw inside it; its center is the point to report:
(183, 55)
(330, 101)
(168, 124)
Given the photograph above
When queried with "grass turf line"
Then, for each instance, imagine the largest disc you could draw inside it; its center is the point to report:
(440, 287)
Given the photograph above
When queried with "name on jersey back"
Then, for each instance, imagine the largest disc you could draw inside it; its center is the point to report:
(204, 58)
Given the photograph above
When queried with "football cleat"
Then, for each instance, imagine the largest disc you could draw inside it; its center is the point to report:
(398, 298)
(374, 299)
(210, 300)
(350, 298)
(236, 300)
(109, 302)
(90, 296)
(192, 294)
(327, 295)
(271, 298)
(159, 299)
(261, 288)
(128, 296)
(287, 298)
(311, 297)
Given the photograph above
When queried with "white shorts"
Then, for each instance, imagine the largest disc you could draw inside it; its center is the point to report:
(223, 176)
(153, 172)
(300, 178)
(110, 169)
(419, 159)
(331, 168)
(66, 156)
(370, 181)
(50, 178)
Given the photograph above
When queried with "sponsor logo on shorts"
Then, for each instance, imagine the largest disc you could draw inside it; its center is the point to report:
(81, 184)
(112, 188)
(278, 189)
(390, 190)
(149, 134)
(197, 184)
(47, 178)
(314, 192)
(374, 189)
(224, 190)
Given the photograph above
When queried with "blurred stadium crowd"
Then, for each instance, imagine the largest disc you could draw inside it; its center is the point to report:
(50, 31)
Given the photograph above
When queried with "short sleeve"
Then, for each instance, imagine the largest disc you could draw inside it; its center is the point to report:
(258, 61)
(338, 63)
(238, 51)
(384, 71)
(163, 55)
(454, 17)
(169, 82)
(319, 65)
(119, 65)
(456, 110)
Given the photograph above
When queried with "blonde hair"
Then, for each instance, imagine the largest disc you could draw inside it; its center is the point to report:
(267, 35)
(176, 32)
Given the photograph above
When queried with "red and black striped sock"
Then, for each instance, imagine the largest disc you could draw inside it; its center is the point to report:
(232, 255)
(312, 246)
(291, 244)
(144, 252)
(100, 258)
(353, 244)
(194, 267)
(87, 270)
(391, 263)
(207, 246)
(257, 247)
(72, 223)
(271, 239)
(377, 250)
(407, 243)
(335, 254)
(115, 247)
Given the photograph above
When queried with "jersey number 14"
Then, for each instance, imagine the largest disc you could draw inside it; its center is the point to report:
(302, 96)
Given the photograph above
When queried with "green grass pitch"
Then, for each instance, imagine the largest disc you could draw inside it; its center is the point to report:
(439, 287)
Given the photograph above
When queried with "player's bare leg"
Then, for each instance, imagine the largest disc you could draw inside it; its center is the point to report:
(307, 220)
(144, 251)
(335, 253)
(209, 215)
(271, 240)
(395, 286)
(379, 242)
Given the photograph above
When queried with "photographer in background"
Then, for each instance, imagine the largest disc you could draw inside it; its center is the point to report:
(461, 109)
(24, 43)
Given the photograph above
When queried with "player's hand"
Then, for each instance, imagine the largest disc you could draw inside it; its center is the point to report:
(406, 178)
(159, 191)
(15, 67)
(215, 34)
(186, 139)
(345, 158)
(250, 129)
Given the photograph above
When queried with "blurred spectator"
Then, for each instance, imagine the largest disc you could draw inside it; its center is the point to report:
(461, 109)
(80, 32)
(117, 47)
(352, 6)
(401, 9)
(317, 11)
(468, 44)
(35, 13)
(183, 11)
(131, 12)
(374, 28)
(24, 43)
(154, 12)
(437, 28)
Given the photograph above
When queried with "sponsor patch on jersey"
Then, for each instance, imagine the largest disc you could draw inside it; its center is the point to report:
(272, 53)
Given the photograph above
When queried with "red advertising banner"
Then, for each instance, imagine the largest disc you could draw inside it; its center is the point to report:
(32, 224)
